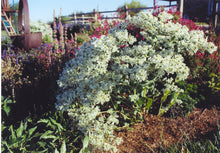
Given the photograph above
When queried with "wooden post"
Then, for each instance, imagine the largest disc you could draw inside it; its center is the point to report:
(75, 18)
(83, 19)
(181, 8)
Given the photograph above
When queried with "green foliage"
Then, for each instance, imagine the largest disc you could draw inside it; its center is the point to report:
(190, 97)
(55, 134)
(130, 104)
(164, 99)
(65, 19)
(16, 139)
(5, 105)
(19, 139)
(5, 109)
(62, 149)
(214, 83)
(85, 144)
(82, 37)
(5, 39)
(45, 135)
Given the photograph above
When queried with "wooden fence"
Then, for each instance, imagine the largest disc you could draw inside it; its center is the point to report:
(84, 18)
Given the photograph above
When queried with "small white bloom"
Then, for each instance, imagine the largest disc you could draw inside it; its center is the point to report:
(164, 16)
(134, 97)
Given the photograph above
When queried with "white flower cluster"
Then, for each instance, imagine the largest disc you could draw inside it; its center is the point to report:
(172, 36)
(44, 28)
(98, 127)
(104, 64)
(164, 16)
(171, 65)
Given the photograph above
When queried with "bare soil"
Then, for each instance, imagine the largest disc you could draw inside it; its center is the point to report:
(158, 132)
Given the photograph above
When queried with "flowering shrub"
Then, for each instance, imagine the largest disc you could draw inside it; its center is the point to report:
(122, 76)
(11, 72)
(44, 28)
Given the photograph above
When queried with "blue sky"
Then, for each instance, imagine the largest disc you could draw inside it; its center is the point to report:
(43, 9)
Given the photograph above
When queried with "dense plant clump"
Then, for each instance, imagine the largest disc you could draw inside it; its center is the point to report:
(120, 77)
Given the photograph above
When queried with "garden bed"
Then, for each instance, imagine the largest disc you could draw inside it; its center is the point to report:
(150, 84)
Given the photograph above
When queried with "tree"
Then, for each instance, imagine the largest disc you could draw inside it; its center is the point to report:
(134, 4)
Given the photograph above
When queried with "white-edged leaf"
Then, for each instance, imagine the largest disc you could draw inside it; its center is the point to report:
(42, 144)
(85, 144)
(63, 147)
(56, 151)
(19, 131)
(43, 121)
(60, 127)
(13, 136)
(46, 134)
(48, 137)
(31, 131)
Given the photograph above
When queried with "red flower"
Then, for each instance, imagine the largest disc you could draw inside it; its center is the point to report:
(98, 29)
(122, 46)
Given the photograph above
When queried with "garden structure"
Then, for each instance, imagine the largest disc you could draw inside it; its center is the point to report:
(22, 39)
